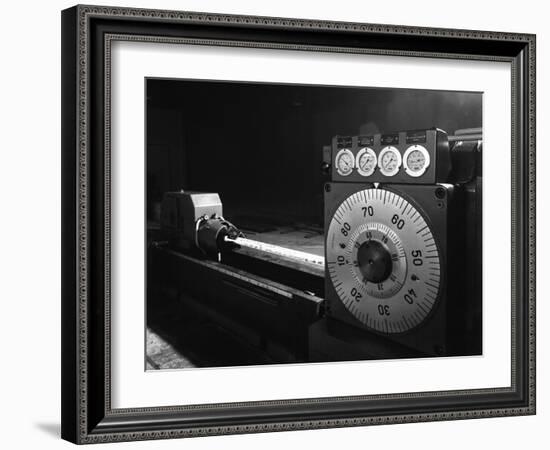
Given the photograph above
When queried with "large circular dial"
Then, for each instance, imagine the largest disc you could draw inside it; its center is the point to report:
(345, 162)
(383, 260)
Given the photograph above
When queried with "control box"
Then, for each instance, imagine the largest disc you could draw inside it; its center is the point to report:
(408, 157)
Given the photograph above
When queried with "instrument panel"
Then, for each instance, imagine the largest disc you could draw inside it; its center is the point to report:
(412, 157)
(389, 206)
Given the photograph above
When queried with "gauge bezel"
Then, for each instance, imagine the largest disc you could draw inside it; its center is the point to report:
(421, 149)
(339, 155)
(394, 150)
(361, 152)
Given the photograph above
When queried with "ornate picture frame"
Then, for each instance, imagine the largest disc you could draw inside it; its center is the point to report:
(88, 33)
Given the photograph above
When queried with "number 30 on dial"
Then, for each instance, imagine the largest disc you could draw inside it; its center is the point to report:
(383, 261)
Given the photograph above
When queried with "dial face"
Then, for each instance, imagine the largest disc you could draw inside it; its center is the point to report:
(389, 161)
(383, 261)
(345, 162)
(416, 160)
(366, 161)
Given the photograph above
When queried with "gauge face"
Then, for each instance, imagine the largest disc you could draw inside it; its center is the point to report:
(389, 161)
(366, 161)
(383, 261)
(416, 160)
(345, 162)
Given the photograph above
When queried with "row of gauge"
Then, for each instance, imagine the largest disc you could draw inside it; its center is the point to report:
(415, 161)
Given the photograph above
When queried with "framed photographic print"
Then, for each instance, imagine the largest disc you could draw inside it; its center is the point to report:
(280, 224)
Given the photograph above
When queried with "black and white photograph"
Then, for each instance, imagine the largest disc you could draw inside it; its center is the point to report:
(295, 223)
(275, 225)
(278, 224)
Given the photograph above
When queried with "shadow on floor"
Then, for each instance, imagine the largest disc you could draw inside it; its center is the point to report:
(53, 429)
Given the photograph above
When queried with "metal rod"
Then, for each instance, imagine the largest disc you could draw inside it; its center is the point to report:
(302, 257)
(466, 137)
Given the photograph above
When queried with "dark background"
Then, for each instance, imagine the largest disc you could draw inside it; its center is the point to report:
(260, 145)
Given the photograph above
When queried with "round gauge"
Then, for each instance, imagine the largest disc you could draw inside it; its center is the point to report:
(389, 161)
(416, 160)
(366, 161)
(383, 261)
(345, 162)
